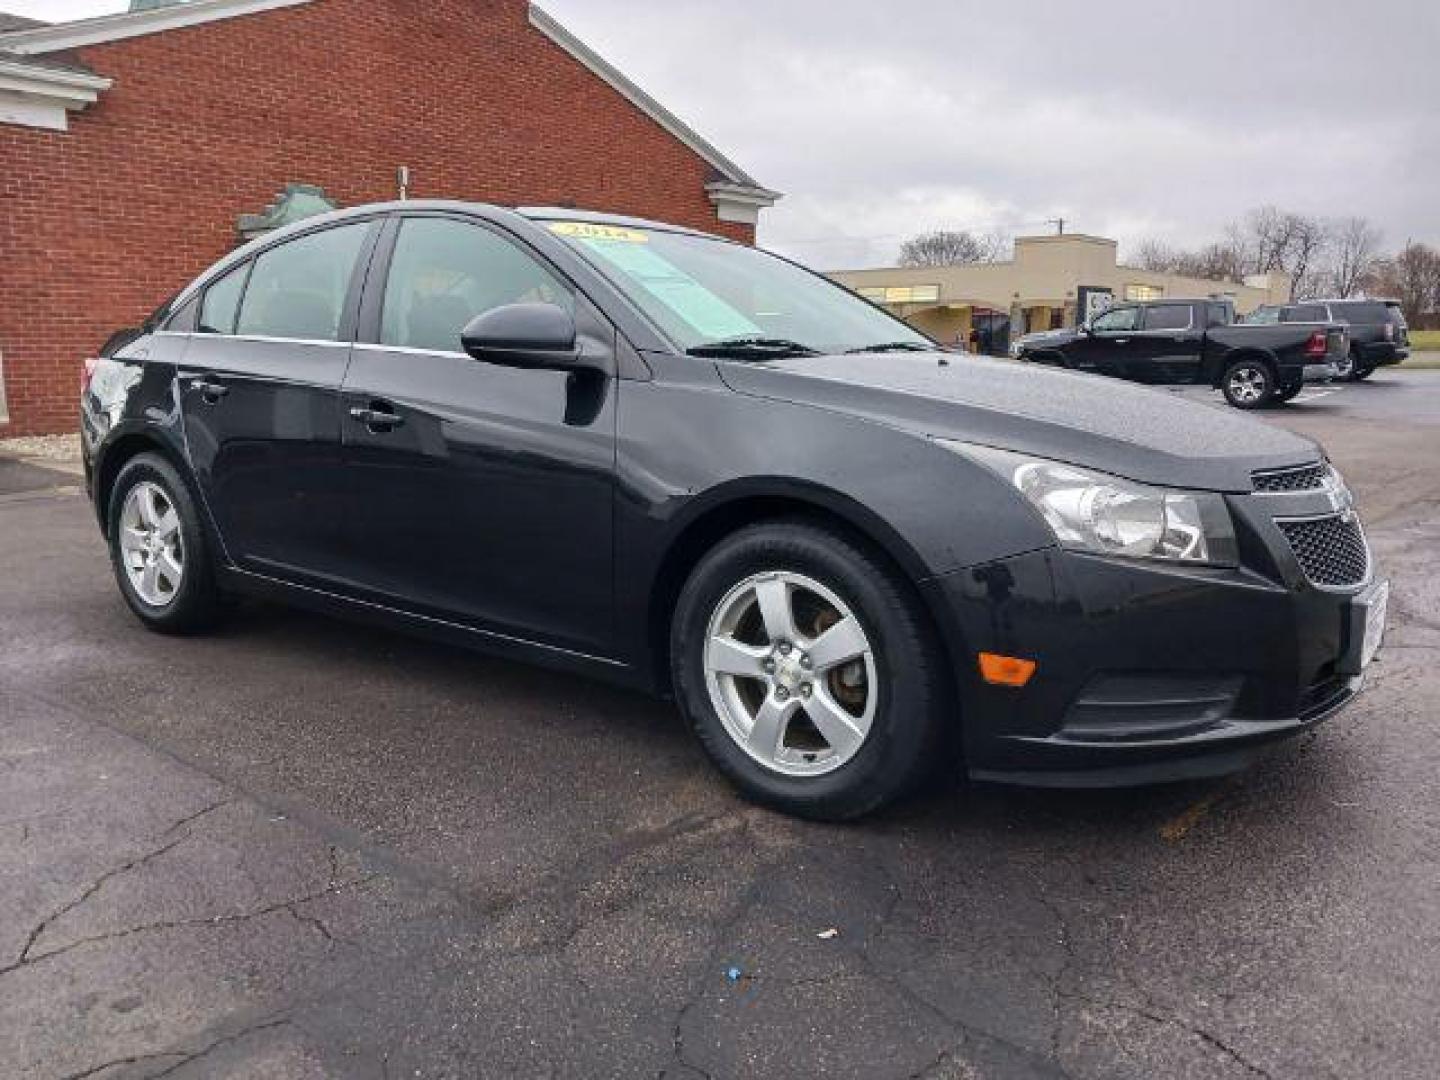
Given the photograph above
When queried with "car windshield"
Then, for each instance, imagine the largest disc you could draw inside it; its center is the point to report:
(722, 299)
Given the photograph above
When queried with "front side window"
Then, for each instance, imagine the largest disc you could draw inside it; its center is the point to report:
(445, 272)
(1168, 317)
(700, 291)
(221, 306)
(1116, 320)
(297, 289)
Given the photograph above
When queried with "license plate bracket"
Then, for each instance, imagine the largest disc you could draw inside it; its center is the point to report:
(1367, 628)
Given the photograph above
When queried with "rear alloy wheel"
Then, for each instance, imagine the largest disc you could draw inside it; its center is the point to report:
(808, 671)
(158, 548)
(1248, 384)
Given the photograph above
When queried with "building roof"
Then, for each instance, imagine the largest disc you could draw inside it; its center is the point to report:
(10, 22)
(29, 39)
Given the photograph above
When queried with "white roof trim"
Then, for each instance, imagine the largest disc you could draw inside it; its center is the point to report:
(547, 25)
(128, 24)
(78, 86)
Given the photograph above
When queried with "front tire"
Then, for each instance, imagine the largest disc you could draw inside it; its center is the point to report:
(808, 671)
(1248, 384)
(158, 548)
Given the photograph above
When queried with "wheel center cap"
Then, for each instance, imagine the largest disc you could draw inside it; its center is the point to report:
(789, 673)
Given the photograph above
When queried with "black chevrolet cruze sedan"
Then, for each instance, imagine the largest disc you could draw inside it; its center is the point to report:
(662, 457)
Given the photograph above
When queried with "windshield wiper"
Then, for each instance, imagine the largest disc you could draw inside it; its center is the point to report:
(892, 346)
(758, 347)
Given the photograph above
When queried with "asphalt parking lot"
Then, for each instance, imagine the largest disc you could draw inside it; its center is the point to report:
(299, 848)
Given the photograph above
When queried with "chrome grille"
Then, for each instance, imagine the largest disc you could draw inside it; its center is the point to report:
(1304, 478)
(1331, 550)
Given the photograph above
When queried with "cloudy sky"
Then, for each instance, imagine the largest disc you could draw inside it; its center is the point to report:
(1163, 119)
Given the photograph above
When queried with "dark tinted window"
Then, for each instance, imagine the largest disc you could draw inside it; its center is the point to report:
(222, 302)
(1361, 311)
(297, 290)
(446, 272)
(1125, 318)
(1305, 313)
(1167, 317)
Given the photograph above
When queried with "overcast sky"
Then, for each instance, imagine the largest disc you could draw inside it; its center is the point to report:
(1163, 119)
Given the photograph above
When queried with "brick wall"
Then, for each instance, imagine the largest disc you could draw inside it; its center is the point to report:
(100, 224)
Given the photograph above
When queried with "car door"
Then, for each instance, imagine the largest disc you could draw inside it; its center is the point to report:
(1169, 345)
(1104, 346)
(478, 493)
(260, 385)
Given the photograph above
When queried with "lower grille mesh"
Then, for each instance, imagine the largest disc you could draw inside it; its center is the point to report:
(1331, 550)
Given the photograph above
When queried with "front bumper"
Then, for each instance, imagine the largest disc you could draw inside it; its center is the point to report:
(1145, 672)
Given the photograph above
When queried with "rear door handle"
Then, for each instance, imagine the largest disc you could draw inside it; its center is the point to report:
(377, 419)
(210, 391)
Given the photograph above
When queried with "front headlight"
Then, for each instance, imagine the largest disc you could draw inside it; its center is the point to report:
(1106, 515)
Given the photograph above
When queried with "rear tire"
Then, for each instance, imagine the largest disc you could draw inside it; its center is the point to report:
(1248, 384)
(1346, 366)
(755, 638)
(1287, 393)
(1361, 373)
(158, 548)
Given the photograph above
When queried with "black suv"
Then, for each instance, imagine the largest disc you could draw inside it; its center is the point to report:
(1377, 329)
(661, 457)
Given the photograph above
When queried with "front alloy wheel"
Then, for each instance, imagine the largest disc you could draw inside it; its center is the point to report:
(791, 673)
(808, 669)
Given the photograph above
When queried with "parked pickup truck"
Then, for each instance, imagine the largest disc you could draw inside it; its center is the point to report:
(1196, 341)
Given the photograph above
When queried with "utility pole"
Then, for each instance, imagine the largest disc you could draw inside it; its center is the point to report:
(1059, 223)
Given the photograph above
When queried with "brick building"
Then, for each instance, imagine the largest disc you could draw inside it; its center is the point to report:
(137, 148)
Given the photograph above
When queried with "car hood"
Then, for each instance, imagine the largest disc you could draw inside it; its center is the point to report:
(1152, 436)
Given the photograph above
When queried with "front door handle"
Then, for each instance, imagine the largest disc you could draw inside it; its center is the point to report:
(212, 392)
(377, 420)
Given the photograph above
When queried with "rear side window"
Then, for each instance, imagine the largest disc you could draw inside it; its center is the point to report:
(1167, 317)
(298, 289)
(1361, 311)
(446, 272)
(222, 302)
(1305, 313)
(1396, 315)
(1263, 316)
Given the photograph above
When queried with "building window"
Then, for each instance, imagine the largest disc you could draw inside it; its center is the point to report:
(903, 294)
(1143, 292)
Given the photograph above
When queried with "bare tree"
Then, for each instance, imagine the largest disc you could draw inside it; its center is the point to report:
(1354, 252)
(1271, 240)
(1412, 277)
(1156, 255)
(948, 247)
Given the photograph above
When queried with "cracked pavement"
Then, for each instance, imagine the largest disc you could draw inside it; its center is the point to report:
(299, 848)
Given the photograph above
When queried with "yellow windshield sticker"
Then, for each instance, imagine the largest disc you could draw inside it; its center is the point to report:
(586, 230)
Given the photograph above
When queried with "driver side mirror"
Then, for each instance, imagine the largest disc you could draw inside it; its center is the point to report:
(524, 335)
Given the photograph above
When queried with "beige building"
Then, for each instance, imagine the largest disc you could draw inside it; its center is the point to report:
(1051, 282)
